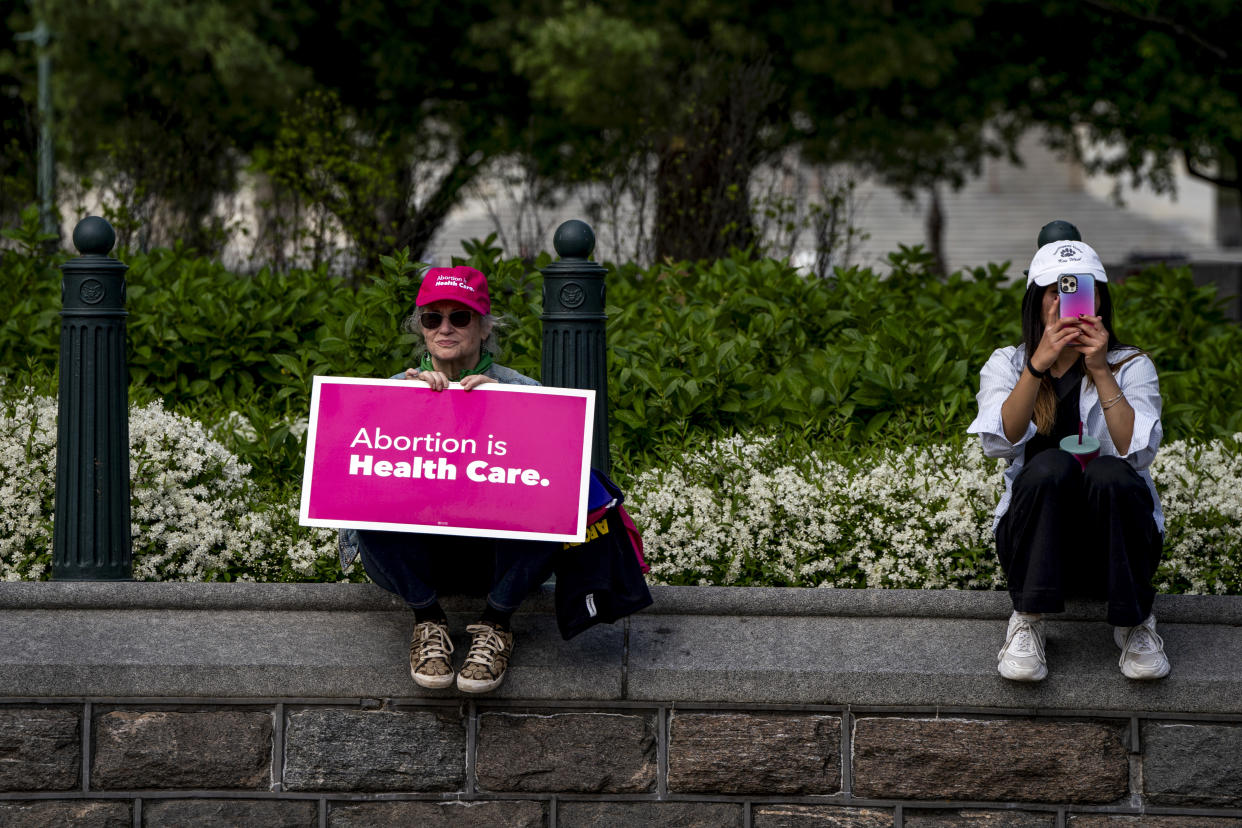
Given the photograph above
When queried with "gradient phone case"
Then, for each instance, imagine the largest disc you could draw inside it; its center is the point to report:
(1077, 291)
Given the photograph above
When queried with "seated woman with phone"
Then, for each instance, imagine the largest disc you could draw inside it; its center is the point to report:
(1077, 415)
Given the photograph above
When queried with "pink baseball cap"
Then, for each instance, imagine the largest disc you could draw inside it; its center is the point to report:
(463, 285)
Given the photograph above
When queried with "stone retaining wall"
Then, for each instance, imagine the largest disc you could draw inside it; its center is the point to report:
(408, 762)
(697, 758)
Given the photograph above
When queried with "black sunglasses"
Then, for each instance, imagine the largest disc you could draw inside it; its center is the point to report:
(433, 319)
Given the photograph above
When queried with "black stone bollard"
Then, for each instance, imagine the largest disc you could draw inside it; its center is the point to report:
(574, 354)
(91, 532)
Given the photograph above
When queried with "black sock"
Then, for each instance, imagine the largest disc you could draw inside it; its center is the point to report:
(497, 618)
(435, 612)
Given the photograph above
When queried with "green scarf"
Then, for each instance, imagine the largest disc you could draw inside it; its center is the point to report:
(485, 362)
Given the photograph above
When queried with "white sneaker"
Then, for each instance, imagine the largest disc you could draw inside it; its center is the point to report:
(1022, 657)
(1142, 651)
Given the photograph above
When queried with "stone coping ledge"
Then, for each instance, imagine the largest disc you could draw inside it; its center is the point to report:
(914, 649)
(726, 601)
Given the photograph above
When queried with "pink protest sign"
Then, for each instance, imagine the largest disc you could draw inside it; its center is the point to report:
(502, 461)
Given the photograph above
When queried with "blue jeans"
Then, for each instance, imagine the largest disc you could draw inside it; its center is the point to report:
(419, 567)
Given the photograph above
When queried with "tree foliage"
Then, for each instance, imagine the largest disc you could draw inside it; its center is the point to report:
(417, 88)
(158, 103)
(917, 94)
(19, 131)
(684, 88)
(1161, 84)
(163, 104)
(364, 123)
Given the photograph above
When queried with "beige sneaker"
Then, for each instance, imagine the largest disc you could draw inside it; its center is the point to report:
(429, 655)
(490, 651)
(1022, 657)
(1142, 651)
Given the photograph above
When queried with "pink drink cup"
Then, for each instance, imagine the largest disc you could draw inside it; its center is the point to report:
(1085, 448)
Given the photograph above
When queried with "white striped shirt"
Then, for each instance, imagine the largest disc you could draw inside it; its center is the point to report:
(1137, 379)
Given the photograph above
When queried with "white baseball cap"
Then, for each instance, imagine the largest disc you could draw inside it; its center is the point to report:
(1059, 257)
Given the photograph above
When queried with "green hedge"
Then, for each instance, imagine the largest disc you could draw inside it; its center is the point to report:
(697, 351)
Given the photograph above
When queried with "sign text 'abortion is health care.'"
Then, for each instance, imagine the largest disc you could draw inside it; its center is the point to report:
(500, 461)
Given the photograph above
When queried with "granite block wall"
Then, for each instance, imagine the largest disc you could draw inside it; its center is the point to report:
(480, 762)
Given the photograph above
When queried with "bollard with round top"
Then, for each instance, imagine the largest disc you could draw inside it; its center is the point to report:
(574, 350)
(91, 529)
(93, 236)
(1055, 231)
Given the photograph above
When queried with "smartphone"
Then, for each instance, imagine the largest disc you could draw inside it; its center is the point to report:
(1077, 292)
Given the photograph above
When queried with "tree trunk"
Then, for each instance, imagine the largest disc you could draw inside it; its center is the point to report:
(706, 158)
(702, 199)
(935, 232)
(410, 225)
(416, 228)
(1229, 202)
(1228, 183)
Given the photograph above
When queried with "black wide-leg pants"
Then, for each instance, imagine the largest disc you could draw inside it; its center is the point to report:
(1085, 533)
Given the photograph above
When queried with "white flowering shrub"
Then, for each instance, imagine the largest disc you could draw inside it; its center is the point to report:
(27, 484)
(745, 512)
(1201, 491)
(195, 513)
(234, 426)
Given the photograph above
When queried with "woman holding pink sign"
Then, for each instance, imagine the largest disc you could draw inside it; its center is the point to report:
(1077, 415)
(453, 317)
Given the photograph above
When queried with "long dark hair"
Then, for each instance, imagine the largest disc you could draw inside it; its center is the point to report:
(1045, 413)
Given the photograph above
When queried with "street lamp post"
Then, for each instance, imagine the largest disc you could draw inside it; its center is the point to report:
(41, 36)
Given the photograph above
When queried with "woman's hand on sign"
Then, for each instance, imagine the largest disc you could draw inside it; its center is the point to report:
(1093, 343)
(474, 381)
(436, 379)
(439, 381)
